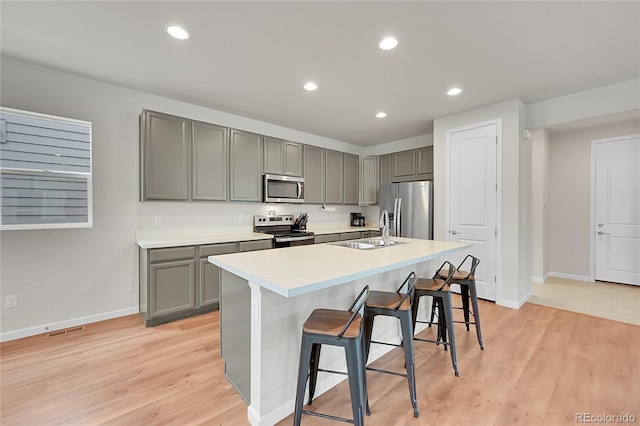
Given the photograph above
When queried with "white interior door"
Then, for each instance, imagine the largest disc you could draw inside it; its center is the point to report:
(617, 210)
(472, 199)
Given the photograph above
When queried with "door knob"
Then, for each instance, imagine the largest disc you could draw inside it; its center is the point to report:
(454, 232)
(602, 233)
(600, 225)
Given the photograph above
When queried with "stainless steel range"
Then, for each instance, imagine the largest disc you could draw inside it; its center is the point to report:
(282, 228)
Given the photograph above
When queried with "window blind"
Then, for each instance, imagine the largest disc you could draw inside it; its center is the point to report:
(45, 165)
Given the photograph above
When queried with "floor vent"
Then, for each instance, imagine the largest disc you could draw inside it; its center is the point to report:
(66, 331)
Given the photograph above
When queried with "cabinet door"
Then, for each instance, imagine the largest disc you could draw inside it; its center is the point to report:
(293, 159)
(385, 169)
(334, 178)
(326, 238)
(314, 159)
(350, 236)
(246, 166)
(351, 178)
(172, 287)
(369, 181)
(273, 156)
(165, 156)
(403, 164)
(210, 160)
(208, 289)
(255, 245)
(425, 162)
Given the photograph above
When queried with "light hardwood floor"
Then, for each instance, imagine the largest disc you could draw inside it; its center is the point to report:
(541, 366)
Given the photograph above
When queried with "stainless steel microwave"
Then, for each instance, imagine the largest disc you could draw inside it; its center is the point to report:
(283, 189)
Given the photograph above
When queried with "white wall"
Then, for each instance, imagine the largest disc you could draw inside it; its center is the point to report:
(569, 196)
(62, 276)
(539, 201)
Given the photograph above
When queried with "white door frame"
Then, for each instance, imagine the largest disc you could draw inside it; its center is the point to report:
(498, 123)
(592, 221)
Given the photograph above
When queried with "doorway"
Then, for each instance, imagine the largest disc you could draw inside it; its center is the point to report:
(473, 177)
(615, 209)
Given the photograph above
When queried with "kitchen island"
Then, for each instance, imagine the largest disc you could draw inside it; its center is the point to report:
(266, 296)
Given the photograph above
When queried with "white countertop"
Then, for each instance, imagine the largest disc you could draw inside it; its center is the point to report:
(159, 241)
(300, 270)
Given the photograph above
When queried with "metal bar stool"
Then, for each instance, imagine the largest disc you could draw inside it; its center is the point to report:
(394, 304)
(336, 328)
(467, 282)
(440, 291)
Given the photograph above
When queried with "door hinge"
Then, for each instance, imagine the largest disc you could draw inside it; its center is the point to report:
(496, 232)
(495, 279)
(496, 186)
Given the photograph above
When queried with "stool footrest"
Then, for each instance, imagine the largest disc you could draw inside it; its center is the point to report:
(387, 343)
(387, 372)
(432, 341)
(328, 416)
(332, 371)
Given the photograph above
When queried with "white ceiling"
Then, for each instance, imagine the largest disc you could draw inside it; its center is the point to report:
(252, 58)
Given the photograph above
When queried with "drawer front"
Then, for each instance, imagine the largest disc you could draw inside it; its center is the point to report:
(327, 238)
(171, 253)
(351, 236)
(213, 249)
(256, 245)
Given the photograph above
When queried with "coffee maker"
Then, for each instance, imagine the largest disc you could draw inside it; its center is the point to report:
(357, 219)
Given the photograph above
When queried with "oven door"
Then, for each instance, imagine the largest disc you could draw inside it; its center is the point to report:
(283, 189)
(286, 241)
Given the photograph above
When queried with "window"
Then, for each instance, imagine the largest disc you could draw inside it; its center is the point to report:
(45, 166)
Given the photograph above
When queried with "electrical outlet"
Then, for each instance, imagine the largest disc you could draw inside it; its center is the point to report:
(157, 219)
(11, 301)
(240, 216)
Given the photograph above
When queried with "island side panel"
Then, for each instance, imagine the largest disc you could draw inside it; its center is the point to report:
(235, 331)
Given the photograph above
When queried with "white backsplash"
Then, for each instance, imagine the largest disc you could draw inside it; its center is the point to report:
(235, 216)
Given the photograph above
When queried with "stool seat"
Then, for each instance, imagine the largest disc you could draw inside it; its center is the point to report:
(457, 275)
(387, 300)
(427, 284)
(330, 322)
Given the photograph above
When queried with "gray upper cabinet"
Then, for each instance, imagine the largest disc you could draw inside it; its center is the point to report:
(412, 165)
(210, 162)
(165, 158)
(334, 177)
(385, 169)
(293, 162)
(246, 166)
(403, 165)
(282, 157)
(424, 161)
(351, 179)
(369, 181)
(314, 169)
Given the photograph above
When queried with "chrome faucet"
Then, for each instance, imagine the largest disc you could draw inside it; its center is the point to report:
(384, 227)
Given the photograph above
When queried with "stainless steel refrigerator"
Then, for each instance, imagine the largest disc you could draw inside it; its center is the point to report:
(410, 207)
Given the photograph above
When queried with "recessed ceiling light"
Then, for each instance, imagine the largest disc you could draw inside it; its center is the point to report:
(454, 91)
(177, 32)
(310, 86)
(388, 43)
(381, 114)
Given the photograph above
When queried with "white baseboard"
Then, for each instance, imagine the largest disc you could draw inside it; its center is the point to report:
(514, 304)
(537, 280)
(570, 276)
(46, 328)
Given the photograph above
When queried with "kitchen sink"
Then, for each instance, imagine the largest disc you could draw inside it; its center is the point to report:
(366, 244)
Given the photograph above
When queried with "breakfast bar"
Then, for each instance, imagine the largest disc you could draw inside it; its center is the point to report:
(267, 295)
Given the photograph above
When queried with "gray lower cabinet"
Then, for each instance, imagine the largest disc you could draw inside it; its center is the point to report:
(245, 166)
(350, 236)
(314, 169)
(334, 177)
(165, 145)
(368, 180)
(178, 282)
(351, 179)
(326, 238)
